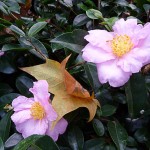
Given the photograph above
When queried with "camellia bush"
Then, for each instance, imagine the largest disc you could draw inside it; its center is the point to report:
(74, 74)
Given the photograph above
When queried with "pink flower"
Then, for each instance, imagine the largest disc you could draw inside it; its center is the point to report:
(1, 53)
(120, 53)
(35, 115)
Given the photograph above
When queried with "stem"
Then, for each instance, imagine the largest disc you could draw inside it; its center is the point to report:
(99, 4)
(38, 51)
(78, 64)
(13, 16)
(148, 15)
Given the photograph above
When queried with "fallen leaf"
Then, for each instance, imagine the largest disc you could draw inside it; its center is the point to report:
(69, 94)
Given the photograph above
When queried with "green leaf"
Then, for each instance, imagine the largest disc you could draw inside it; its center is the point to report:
(36, 28)
(14, 47)
(136, 94)
(8, 98)
(80, 20)
(98, 127)
(55, 47)
(38, 46)
(140, 3)
(5, 22)
(75, 138)
(5, 124)
(94, 144)
(123, 3)
(146, 8)
(131, 142)
(24, 144)
(111, 21)
(39, 141)
(23, 84)
(118, 134)
(4, 8)
(1, 144)
(5, 88)
(17, 30)
(109, 147)
(91, 72)
(13, 6)
(142, 135)
(13, 140)
(46, 143)
(108, 110)
(71, 40)
(94, 14)
(6, 65)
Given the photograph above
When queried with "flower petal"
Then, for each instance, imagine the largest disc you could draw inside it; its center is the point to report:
(21, 103)
(50, 112)
(32, 126)
(60, 128)
(128, 27)
(21, 116)
(110, 72)
(95, 54)
(142, 55)
(129, 63)
(99, 38)
(40, 91)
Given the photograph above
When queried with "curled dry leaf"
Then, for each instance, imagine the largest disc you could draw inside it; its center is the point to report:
(69, 94)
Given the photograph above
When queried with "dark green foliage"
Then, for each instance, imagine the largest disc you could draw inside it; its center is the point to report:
(55, 29)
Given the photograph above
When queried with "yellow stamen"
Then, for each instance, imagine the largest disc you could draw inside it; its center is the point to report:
(121, 44)
(37, 111)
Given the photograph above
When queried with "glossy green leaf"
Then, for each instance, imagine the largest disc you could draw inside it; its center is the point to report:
(15, 47)
(1, 144)
(36, 28)
(6, 65)
(75, 138)
(5, 88)
(40, 142)
(4, 8)
(46, 143)
(5, 22)
(23, 84)
(136, 94)
(109, 147)
(140, 3)
(17, 30)
(108, 110)
(13, 6)
(80, 20)
(94, 144)
(118, 134)
(13, 140)
(38, 46)
(91, 72)
(94, 14)
(111, 21)
(142, 135)
(131, 142)
(55, 47)
(71, 40)
(5, 125)
(98, 127)
(8, 98)
(24, 144)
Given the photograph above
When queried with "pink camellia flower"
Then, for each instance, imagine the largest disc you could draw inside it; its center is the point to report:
(35, 115)
(120, 53)
(1, 53)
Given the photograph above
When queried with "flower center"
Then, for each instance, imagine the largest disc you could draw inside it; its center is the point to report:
(37, 111)
(121, 44)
